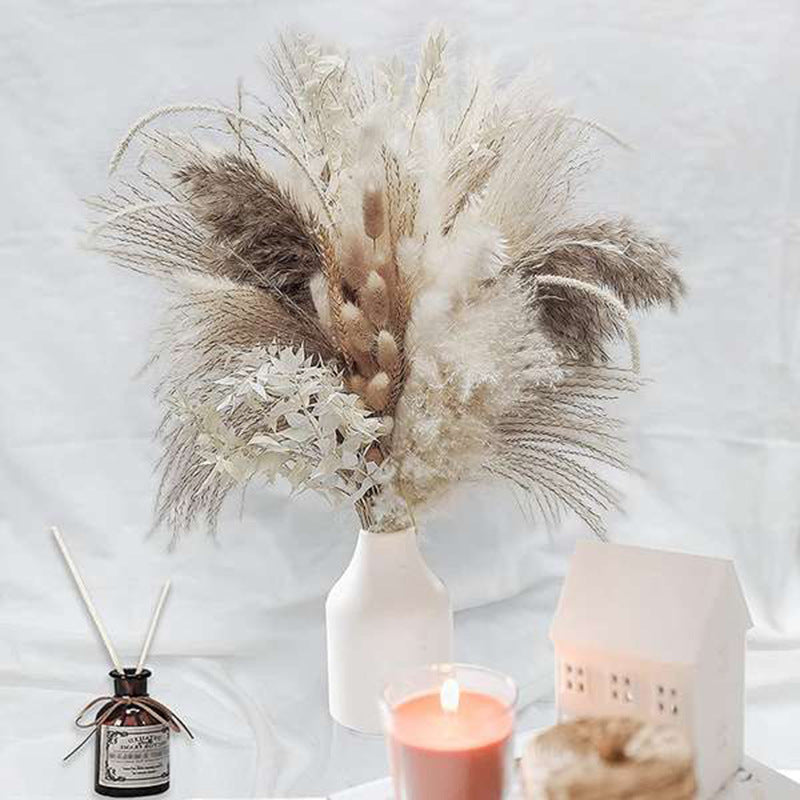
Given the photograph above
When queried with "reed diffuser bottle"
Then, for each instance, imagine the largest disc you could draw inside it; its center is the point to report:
(131, 729)
(131, 740)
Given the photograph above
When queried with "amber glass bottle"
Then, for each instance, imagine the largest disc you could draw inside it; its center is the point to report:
(131, 746)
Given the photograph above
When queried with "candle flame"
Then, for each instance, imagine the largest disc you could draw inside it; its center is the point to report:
(450, 695)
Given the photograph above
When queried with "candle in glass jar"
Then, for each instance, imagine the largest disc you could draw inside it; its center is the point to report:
(452, 741)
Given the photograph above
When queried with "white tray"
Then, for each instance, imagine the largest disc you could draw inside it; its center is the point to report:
(754, 781)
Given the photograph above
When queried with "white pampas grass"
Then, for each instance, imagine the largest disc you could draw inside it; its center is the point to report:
(430, 75)
(462, 383)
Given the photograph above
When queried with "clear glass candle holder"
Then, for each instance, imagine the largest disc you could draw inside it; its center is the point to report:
(449, 731)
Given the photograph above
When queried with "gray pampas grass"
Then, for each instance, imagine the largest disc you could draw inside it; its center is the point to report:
(636, 268)
(255, 229)
(382, 288)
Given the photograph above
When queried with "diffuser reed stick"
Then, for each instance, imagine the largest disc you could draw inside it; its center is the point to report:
(153, 625)
(87, 599)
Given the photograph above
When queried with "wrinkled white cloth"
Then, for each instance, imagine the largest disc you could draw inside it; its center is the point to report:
(707, 94)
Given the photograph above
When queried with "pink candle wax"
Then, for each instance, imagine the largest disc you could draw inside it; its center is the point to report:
(460, 754)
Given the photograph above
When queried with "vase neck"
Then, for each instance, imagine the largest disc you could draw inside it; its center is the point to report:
(402, 532)
(405, 539)
(379, 552)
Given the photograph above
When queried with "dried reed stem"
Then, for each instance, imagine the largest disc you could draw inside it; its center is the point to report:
(606, 298)
(183, 108)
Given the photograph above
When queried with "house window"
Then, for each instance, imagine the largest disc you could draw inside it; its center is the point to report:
(621, 688)
(667, 700)
(574, 678)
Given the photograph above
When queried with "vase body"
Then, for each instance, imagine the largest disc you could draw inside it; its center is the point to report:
(388, 613)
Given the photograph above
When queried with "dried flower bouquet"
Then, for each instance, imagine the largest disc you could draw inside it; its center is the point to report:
(382, 289)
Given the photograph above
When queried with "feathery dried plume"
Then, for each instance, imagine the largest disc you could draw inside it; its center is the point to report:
(374, 299)
(430, 74)
(387, 352)
(354, 263)
(357, 384)
(415, 304)
(260, 232)
(358, 332)
(470, 369)
(372, 206)
(638, 269)
(550, 445)
(216, 316)
(319, 296)
(402, 198)
(377, 390)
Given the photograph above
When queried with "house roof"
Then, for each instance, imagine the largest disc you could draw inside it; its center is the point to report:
(650, 604)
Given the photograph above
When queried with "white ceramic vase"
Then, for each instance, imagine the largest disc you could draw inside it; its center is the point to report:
(387, 614)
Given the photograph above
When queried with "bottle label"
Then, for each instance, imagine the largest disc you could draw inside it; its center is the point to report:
(134, 757)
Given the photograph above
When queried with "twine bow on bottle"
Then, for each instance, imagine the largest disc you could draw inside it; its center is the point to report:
(158, 711)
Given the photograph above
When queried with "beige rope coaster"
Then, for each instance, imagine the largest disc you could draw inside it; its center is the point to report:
(609, 759)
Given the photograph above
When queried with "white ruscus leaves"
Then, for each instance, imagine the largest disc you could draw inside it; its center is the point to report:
(282, 413)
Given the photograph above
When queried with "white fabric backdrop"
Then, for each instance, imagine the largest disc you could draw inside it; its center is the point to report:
(708, 93)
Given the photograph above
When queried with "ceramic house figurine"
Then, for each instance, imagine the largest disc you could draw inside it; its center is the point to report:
(658, 636)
